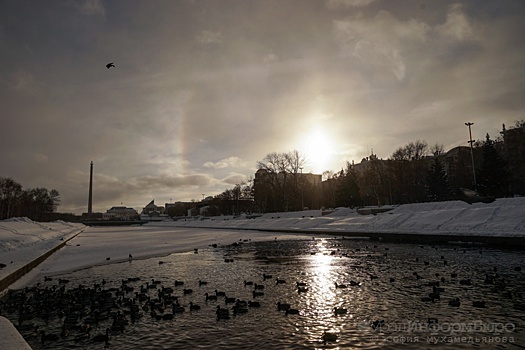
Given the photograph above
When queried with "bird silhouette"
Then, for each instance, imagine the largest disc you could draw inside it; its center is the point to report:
(109, 65)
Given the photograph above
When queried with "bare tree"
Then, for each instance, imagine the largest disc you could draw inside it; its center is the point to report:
(281, 173)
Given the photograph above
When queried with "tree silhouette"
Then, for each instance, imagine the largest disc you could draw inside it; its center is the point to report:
(493, 176)
(437, 185)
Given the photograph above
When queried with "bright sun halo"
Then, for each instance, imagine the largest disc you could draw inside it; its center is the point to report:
(317, 148)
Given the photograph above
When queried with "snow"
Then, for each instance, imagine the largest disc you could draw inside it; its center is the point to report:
(23, 240)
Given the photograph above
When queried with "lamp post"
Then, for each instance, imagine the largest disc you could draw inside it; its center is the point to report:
(469, 124)
(302, 193)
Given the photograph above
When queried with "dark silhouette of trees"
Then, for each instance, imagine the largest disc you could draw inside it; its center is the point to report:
(407, 171)
(347, 190)
(36, 204)
(438, 188)
(493, 177)
(278, 181)
(10, 193)
(514, 153)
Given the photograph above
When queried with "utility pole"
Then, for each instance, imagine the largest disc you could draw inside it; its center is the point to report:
(469, 124)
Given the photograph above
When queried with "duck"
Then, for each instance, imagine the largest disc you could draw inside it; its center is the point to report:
(219, 293)
(280, 281)
(202, 283)
(329, 337)
(282, 306)
(257, 293)
(194, 307)
(179, 283)
(340, 285)
(267, 277)
(187, 291)
(177, 309)
(222, 313)
(210, 297)
(229, 300)
(291, 311)
(302, 290)
(258, 286)
(248, 283)
(479, 304)
(339, 310)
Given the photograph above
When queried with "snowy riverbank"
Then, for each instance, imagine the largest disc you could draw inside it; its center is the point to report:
(22, 240)
(502, 218)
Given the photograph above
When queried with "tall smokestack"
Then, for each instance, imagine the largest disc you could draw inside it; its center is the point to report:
(90, 199)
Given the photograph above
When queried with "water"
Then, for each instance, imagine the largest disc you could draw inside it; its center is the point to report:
(394, 300)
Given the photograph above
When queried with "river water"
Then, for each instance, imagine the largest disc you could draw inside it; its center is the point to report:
(396, 296)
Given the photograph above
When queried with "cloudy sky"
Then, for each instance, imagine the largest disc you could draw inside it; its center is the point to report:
(202, 90)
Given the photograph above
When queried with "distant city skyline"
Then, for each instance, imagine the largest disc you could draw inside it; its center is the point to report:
(202, 90)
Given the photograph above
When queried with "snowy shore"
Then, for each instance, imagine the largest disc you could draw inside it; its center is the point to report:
(22, 240)
(502, 218)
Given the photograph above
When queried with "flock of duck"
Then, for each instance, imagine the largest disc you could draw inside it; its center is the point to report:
(84, 308)
(94, 313)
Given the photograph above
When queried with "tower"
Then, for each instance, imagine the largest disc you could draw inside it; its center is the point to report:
(90, 199)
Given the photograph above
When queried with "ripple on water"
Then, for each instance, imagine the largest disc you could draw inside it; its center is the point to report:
(383, 282)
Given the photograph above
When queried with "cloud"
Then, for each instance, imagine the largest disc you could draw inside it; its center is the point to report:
(234, 179)
(92, 7)
(207, 37)
(338, 4)
(379, 41)
(457, 25)
(230, 162)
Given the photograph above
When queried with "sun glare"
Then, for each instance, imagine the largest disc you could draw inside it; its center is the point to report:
(317, 147)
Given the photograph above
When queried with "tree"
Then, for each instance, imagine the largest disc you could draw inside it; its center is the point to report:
(438, 188)
(493, 177)
(10, 194)
(280, 171)
(347, 190)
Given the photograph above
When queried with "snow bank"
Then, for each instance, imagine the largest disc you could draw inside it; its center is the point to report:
(503, 218)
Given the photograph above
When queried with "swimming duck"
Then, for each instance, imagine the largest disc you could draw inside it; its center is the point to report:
(291, 311)
(339, 310)
(194, 307)
(329, 337)
(282, 306)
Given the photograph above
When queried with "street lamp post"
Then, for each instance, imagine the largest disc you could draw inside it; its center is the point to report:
(469, 124)
(302, 193)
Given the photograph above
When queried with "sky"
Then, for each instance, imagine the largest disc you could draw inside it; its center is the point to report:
(202, 90)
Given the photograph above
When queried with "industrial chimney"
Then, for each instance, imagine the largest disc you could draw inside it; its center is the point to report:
(90, 199)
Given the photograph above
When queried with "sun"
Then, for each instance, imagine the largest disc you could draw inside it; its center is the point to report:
(317, 148)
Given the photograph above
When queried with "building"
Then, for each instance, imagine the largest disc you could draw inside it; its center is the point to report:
(120, 213)
(152, 212)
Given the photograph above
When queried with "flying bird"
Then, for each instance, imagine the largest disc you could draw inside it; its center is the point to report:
(109, 65)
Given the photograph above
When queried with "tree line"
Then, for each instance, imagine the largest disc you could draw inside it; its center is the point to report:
(35, 203)
(413, 173)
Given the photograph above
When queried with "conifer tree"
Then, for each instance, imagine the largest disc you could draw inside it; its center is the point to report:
(438, 188)
(493, 177)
